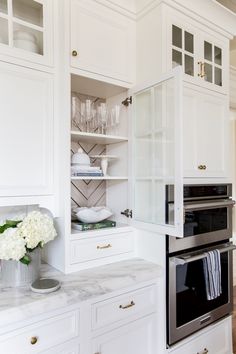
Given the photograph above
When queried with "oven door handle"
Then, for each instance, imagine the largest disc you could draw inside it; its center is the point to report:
(181, 260)
(198, 206)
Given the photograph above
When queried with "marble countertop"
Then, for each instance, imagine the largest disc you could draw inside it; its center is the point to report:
(17, 304)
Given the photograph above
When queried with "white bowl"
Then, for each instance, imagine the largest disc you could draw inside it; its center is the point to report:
(26, 45)
(93, 215)
(24, 35)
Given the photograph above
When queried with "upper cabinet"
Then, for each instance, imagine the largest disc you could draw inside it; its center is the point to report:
(203, 56)
(205, 133)
(102, 41)
(26, 28)
(26, 154)
(169, 37)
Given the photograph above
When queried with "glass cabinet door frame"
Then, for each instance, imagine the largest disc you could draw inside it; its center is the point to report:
(44, 30)
(215, 42)
(175, 229)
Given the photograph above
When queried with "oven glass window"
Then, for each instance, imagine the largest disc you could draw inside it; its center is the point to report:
(204, 221)
(191, 299)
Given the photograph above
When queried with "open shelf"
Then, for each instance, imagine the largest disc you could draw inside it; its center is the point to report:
(97, 138)
(99, 178)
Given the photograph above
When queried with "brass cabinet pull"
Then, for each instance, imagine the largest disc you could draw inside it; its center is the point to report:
(205, 351)
(74, 53)
(33, 340)
(202, 69)
(200, 73)
(104, 247)
(123, 307)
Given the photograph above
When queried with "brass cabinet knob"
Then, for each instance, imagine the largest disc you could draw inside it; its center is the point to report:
(74, 53)
(202, 167)
(33, 340)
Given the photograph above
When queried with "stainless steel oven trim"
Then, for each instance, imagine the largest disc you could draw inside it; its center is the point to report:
(170, 192)
(176, 334)
(191, 257)
(176, 244)
(224, 203)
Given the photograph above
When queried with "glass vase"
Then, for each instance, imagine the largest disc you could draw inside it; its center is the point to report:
(15, 273)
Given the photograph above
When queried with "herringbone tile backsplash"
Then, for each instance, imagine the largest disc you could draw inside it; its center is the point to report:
(88, 192)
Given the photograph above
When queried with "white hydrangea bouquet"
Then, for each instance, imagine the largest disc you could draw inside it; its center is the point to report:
(19, 238)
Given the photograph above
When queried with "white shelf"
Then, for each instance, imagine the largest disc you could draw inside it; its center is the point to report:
(97, 138)
(75, 234)
(99, 178)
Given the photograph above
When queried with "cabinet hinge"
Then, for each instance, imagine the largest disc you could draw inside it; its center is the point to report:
(127, 101)
(128, 213)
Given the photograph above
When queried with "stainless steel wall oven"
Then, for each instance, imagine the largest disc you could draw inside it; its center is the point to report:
(207, 226)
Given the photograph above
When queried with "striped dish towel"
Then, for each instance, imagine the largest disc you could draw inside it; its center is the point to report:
(212, 274)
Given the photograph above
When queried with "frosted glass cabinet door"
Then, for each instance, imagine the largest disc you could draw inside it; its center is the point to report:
(26, 134)
(157, 154)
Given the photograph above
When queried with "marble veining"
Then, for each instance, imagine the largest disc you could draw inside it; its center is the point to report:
(17, 304)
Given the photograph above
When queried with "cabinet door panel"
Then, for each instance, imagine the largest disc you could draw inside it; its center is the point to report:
(103, 39)
(211, 135)
(157, 154)
(26, 135)
(71, 347)
(137, 338)
(206, 121)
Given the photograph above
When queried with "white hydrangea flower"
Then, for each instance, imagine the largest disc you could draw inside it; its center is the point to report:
(36, 228)
(12, 245)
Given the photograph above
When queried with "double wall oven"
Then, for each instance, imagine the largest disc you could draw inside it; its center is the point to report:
(207, 226)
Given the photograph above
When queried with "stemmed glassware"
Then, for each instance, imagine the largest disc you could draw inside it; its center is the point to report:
(90, 116)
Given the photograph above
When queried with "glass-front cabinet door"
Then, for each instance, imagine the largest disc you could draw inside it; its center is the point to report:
(157, 154)
(202, 56)
(25, 29)
(183, 49)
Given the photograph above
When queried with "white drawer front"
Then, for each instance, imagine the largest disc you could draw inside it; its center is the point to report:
(45, 334)
(217, 340)
(140, 302)
(100, 247)
(71, 347)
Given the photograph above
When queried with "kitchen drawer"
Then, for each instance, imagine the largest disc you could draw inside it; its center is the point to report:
(137, 303)
(71, 347)
(100, 247)
(41, 335)
(217, 339)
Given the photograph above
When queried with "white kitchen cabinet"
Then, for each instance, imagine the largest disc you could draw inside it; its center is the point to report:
(71, 347)
(26, 28)
(232, 90)
(183, 38)
(203, 55)
(215, 339)
(102, 41)
(137, 337)
(205, 133)
(42, 335)
(26, 135)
